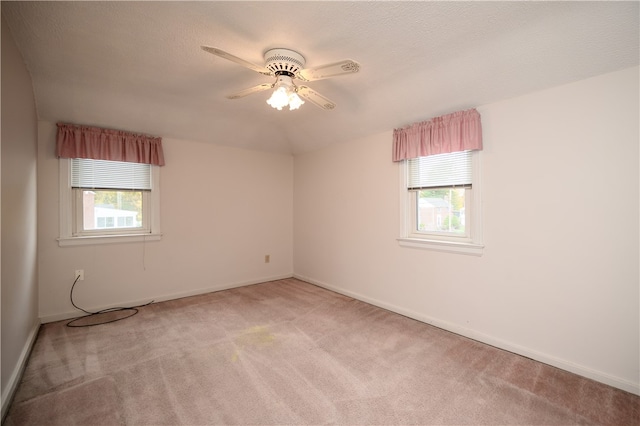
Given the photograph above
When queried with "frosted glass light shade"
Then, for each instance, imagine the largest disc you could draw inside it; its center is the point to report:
(285, 94)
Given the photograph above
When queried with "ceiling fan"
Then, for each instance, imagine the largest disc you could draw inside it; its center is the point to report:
(287, 65)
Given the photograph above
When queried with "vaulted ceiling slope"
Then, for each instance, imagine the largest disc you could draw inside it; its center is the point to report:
(138, 66)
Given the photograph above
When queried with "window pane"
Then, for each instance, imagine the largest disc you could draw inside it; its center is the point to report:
(111, 209)
(441, 210)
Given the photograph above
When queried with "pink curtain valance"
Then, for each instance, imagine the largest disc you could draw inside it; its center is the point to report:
(104, 144)
(460, 131)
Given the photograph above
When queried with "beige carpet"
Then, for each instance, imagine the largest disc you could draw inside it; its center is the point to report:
(287, 352)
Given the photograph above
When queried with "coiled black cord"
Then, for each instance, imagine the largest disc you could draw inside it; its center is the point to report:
(71, 323)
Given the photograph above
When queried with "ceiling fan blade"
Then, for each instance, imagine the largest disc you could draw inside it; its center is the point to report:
(250, 90)
(330, 70)
(315, 98)
(239, 61)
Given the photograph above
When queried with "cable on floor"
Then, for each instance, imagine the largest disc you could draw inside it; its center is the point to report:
(72, 323)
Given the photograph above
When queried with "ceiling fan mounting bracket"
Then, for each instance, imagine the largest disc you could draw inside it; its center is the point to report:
(283, 61)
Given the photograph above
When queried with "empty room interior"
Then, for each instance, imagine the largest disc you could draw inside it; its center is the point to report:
(340, 212)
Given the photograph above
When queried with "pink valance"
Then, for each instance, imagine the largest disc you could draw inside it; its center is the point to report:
(105, 144)
(460, 131)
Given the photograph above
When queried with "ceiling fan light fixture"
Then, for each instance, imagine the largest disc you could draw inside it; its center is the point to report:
(285, 94)
(279, 98)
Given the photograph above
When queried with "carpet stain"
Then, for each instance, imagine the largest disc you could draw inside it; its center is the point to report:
(257, 337)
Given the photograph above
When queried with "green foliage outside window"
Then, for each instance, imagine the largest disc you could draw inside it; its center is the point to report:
(457, 200)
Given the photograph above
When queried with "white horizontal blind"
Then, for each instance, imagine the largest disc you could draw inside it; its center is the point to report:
(102, 174)
(440, 171)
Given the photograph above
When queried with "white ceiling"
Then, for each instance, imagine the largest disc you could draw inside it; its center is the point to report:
(138, 66)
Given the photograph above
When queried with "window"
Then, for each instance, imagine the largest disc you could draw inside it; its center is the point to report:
(440, 202)
(108, 201)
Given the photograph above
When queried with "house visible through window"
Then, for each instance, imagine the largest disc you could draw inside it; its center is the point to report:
(111, 209)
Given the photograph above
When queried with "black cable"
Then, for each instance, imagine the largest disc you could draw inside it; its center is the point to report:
(104, 311)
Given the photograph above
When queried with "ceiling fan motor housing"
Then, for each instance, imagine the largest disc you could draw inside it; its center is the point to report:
(283, 61)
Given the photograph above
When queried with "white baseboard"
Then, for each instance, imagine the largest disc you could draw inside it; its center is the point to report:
(12, 385)
(161, 298)
(490, 340)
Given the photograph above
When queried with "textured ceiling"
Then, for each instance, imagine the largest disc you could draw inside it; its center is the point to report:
(138, 66)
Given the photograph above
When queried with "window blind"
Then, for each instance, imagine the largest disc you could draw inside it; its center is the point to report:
(440, 171)
(102, 174)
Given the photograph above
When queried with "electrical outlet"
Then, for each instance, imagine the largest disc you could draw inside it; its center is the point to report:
(80, 273)
(267, 258)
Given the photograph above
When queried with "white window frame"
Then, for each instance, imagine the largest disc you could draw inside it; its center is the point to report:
(470, 244)
(71, 233)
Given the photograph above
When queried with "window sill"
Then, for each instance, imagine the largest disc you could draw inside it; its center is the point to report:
(445, 246)
(107, 239)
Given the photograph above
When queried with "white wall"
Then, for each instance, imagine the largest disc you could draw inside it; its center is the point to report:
(558, 280)
(18, 225)
(222, 211)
